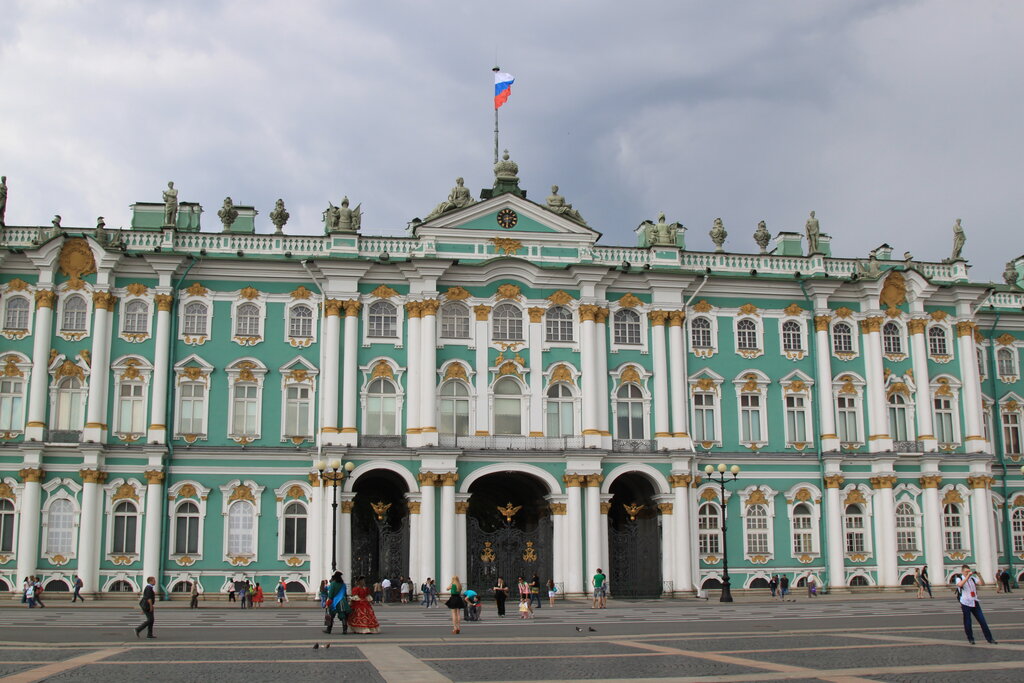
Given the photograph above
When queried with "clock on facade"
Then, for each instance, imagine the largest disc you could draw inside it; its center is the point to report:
(507, 218)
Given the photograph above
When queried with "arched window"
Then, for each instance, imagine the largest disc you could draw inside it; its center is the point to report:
(136, 317)
(12, 400)
(1017, 525)
(6, 526)
(60, 531)
(126, 522)
(803, 533)
(186, 529)
(16, 313)
(892, 340)
(746, 334)
(842, 338)
(709, 529)
(381, 408)
(906, 528)
(937, 341)
(859, 581)
(1005, 364)
(297, 410)
(300, 321)
(508, 407)
(455, 321)
(241, 528)
(898, 417)
(560, 411)
(70, 399)
(792, 336)
(629, 412)
(195, 319)
(75, 313)
(507, 323)
(131, 407)
(853, 524)
(121, 586)
(700, 333)
(756, 527)
(952, 528)
(247, 320)
(627, 327)
(454, 406)
(383, 319)
(192, 413)
(294, 529)
(558, 323)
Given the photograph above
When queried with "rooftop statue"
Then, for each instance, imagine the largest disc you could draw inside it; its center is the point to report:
(718, 235)
(762, 237)
(3, 200)
(341, 218)
(959, 238)
(458, 198)
(56, 222)
(279, 217)
(170, 206)
(872, 269)
(813, 233)
(661, 233)
(557, 204)
(227, 214)
(1010, 276)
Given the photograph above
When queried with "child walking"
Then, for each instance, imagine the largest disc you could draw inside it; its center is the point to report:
(524, 608)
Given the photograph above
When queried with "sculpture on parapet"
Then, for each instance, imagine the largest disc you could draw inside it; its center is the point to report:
(170, 206)
(762, 237)
(661, 233)
(1010, 275)
(227, 214)
(341, 218)
(872, 269)
(279, 216)
(458, 198)
(3, 200)
(718, 235)
(813, 231)
(556, 204)
(56, 222)
(959, 238)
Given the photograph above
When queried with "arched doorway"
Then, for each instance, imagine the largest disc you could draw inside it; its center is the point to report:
(634, 539)
(380, 528)
(508, 530)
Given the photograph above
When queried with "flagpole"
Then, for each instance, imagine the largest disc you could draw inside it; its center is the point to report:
(496, 70)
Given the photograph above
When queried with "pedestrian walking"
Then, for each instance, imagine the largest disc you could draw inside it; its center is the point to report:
(404, 590)
(29, 592)
(918, 583)
(812, 587)
(385, 588)
(1005, 580)
(282, 594)
(455, 603)
(925, 582)
(37, 584)
(231, 591)
(999, 580)
(599, 582)
(784, 588)
(378, 592)
(966, 583)
(773, 585)
(194, 604)
(500, 596)
(257, 595)
(148, 606)
(337, 604)
(322, 593)
(552, 592)
(535, 590)
(78, 589)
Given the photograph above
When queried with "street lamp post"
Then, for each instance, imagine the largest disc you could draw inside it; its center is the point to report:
(335, 474)
(721, 479)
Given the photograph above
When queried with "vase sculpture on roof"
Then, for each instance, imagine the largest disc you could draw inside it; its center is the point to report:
(718, 235)
(762, 237)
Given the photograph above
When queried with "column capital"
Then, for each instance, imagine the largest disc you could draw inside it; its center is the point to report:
(429, 307)
(314, 479)
(536, 314)
(45, 298)
(558, 508)
(164, 302)
(351, 307)
(414, 507)
(588, 312)
(482, 312)
(601, 315)
(31, 474)
(347, 506)
(821, 323)
(917, 325)
(427, 478)
(981, 481)
(461, 507)
(930, 481)
(448, 478)
(606, 507)
(657, 317)
(593, 480)
(154, 476)
(965, 328)
(104, 300)
(886, 481)
(676, 318)
(574, 480)
(665, 508)
(92, 476)
(680, 480)
(414, 309)
(834, 481)
(332, 307)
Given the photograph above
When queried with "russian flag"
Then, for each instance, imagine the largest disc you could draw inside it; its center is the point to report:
(502, 87)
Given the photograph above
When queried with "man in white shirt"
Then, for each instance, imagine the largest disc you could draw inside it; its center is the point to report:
(386, 585)
(966, 583)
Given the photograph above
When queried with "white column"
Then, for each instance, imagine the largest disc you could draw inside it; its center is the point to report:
(879, 439)
(974, 441)
(606, 506)
(327, 530)
(161, 368)
(461, 508)
(345, 534)
(152, 548)
(933, 527)
(668, 573)
(588, 361)
(661, 423)
(677, 379)
(329, 388)
(41, 333)
(682, 544)
(315, 535)
(603, 397)
(428, 373)
(413, 374)
(415, 561)
(447, 513)
(89, 530)
(483, 413)
(29, 522)
(884, 508)
(981, 519)
(536, 341)
(574, 534)
(350, 381)
(428, 529)
(99, 369)
(594, 530)
(558, 543)
(822, 357)
(834, 546)
(923, 403)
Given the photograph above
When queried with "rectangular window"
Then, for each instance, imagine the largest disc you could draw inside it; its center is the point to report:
(295, 535)
(847, 419)
(508, 416)
(124, 533)
(296, 416)
(131, 415)
(11, 416)
(193, 408)
(1011, 433)
(750, 417)
(245, 410)
(704, 417)
(796, 419)
(906, 540)
(186, 536)
(944, 420)
(953, 539)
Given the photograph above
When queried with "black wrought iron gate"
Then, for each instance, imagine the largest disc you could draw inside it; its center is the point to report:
(380, 550)
(634, 552)
(508, 552)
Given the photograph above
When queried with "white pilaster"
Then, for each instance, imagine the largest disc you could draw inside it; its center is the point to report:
(349, 434)
(603, 397)
(884, 508)
(415, 558)
(428, 373)
(981, 520)
(461, 508)
(677, 381)
(428, 528)
(314, 539)
(29, 522)
(41, 334)
(413, 373)
(594, 530)
(834, 546)
(161, 367)
(330, 434)
(923, 403)
(974, 441)
(152, 548)
(345, 534)
(447, 513)
(822, 358)
(879, 439)
(536, 341)
(666, 507)
(661, 423)
(932, 517)
(606, 506)
(574, 534)
(89, 530)
(588, 361)
(99, 375)
(558, 540)
(682, 543)
(483, 413)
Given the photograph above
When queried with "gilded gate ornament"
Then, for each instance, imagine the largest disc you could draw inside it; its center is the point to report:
(76, 259)
(509, 511)
(894, 291)
(633, 509)
(380, 508)
(487, 555)
(530, 553)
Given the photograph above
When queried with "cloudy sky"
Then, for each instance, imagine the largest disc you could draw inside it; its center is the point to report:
(891, 119)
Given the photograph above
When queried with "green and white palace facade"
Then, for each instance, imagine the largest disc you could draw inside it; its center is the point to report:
(513, 398)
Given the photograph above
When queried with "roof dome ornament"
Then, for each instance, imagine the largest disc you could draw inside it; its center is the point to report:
(506, 179)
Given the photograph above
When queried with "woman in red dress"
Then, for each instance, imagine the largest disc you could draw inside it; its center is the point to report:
(362, 618)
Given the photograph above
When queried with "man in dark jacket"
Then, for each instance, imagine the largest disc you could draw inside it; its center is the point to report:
(337, 604)
(148, 606)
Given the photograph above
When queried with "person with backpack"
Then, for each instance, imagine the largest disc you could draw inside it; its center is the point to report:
(78, 590)
(966, 588)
